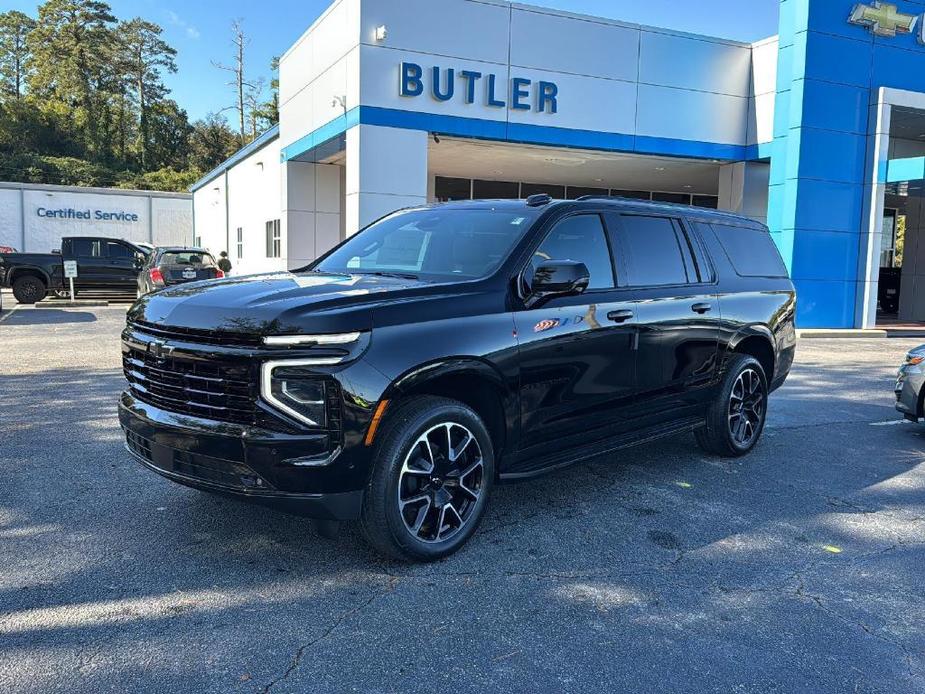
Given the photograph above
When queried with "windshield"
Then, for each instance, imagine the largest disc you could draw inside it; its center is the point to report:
(438, 244)
(187, 258)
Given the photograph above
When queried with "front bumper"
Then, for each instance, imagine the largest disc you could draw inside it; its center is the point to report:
(288, 472)
(908, 389)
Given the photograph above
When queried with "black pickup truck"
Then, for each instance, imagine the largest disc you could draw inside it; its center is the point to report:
(102, 263)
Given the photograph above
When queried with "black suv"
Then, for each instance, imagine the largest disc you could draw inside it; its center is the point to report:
(445, 348)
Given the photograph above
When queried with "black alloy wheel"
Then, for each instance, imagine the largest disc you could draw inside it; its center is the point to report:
(736, 416)
(746, 407)
(440, 482)
(432, 476)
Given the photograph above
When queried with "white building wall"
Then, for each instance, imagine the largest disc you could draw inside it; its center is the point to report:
(764, 90)
(386, 170)
(743, 189)
(253, 200)
(612, 77)
(11, 218)
(312, 201)
(162, 218)
(321, 65)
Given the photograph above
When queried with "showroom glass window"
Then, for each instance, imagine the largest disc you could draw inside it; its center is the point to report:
(580, 238)
(653, 251)
(240, 243)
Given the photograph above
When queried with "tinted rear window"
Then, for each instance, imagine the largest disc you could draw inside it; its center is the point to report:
(653, 252)
(186, 258)
(751, 251)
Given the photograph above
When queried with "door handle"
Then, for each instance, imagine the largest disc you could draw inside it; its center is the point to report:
(620, 316)
(701, 308)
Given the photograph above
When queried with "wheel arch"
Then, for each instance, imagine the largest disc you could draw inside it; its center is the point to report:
(470, 380)
(757, 341)
(29, 271)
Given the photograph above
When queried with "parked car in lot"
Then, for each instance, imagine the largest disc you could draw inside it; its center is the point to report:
(169, 265)
(102, 264)
(7, 249)
(446, 348)
(909, 382)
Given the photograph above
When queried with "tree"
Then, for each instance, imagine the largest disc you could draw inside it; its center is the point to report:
(71, 62)
(169, 134)
(211, 142)
(240, 41)
(145, 56)
(268, 112)
(14, 53)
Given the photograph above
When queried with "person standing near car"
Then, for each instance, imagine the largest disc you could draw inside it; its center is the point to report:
(223, 263)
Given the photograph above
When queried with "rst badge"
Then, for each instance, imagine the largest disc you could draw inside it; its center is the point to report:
(545, 325)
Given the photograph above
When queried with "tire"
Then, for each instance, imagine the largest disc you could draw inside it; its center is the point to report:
(422, 504)
(29, 289)
(735, 419)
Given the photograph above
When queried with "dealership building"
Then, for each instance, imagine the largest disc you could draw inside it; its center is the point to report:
(34, 218)
(818, 132)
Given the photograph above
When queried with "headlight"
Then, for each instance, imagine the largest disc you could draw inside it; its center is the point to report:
(287, 387)
(323, 340)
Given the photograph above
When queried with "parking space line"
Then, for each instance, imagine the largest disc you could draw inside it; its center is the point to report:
(11, 312)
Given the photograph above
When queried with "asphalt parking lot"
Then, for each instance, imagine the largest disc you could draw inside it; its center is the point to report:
(797, 569)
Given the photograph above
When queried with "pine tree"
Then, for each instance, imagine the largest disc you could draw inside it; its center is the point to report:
(145, 56)
(14, 53)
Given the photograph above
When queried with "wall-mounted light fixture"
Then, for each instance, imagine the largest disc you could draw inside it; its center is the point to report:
(381, 32)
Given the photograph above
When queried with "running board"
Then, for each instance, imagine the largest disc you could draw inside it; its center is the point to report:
(603, 447)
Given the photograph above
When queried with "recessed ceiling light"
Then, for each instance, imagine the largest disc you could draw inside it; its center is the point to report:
(688, 187)
(659, 168)
(497, 173)
(598, 180)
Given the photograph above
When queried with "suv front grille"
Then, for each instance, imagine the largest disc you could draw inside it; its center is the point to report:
(208, 337)
(220, 390)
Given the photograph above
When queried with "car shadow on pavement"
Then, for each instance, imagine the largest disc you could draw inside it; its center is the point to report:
(659, 541)
(47, 316)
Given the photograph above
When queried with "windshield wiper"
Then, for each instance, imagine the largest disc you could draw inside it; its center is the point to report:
(386, 273)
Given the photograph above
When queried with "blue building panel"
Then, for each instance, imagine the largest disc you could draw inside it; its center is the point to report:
(823, 205)
(832, 59)
(826, 303)
(827, 155)
(830, 105)
(825, 255)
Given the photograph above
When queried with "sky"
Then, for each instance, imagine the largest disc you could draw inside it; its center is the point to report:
(200, 31)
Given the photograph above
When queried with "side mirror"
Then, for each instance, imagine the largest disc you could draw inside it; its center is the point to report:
(559, 278)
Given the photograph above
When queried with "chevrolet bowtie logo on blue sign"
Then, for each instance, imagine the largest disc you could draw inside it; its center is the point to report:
(884, 19)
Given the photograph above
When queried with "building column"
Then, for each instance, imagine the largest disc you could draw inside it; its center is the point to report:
(386, 170)
(819, 174)
(311, 205)
(743, 189)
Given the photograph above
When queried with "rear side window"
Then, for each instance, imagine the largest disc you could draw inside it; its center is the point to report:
(580, 238)
(653, 251)
(87, 248)
(751, 251)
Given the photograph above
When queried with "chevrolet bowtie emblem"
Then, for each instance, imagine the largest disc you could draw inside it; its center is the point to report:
(883, 19)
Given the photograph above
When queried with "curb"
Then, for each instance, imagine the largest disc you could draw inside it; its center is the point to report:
(850, 334)
(70, 304)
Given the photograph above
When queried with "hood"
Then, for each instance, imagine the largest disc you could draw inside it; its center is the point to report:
(279, 303)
